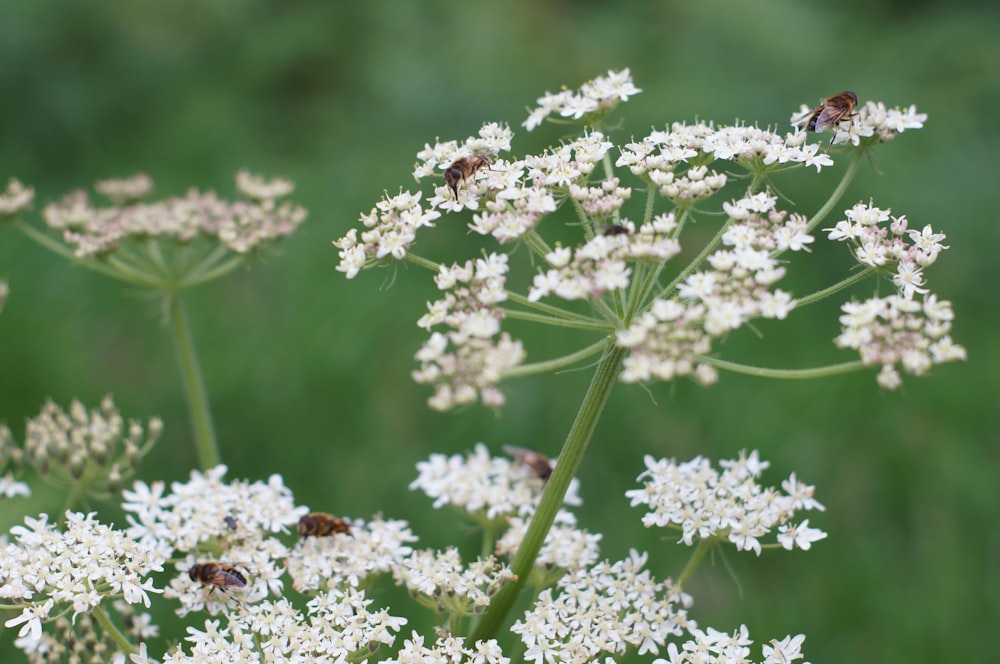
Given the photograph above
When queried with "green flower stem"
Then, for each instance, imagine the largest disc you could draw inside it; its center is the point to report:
(698, 260)
(489, 540)
(112, 630)
(836, 288)
(556, 364)
(423, 262)
(695, 560)
(555, 491)
(54, 246)
(537, 243)
(609, 314)
(555, 312)
(215, 272)
(788, 374)
(845, 181)
(206, 446)
(556, 322)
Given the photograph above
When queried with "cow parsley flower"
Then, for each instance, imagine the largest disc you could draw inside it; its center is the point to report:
(704, 503)
(621, 605)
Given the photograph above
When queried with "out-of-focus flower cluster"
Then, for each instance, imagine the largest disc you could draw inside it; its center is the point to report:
(704, 503)
(667, 329)
(11, 463)
(94, 449)
(241, 226)
(16, 198)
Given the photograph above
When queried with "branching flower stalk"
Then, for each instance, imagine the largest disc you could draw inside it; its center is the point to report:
(655, 321)
(165, 247)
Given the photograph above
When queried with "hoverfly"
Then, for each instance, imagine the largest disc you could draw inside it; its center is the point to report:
(830, 113)
(540, 464)
(320, 524)
(464, 168)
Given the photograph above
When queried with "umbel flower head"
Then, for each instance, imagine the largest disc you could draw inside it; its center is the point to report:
(240, 226)
(629, 203)
(705, 504)
(51, 571)
(95, 450)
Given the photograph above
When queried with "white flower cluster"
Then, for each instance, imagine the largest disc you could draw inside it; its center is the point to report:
(658, 155)
(393, 224)
(134, 188)
(466, 362)
(260, 188)
(48, 571)
(525, 191)
(620, 604)
(666, 340)
(704, 503)
(896, 330)
(619, 263)
(240, 226)
(501, 494)
(440, 581)
(198, 516)
(495, 176)
(336, 627)
(566, 547)
(594, 97)
(911, 328)
(374, 547)
(877, 244)
(603, 200)
(16, 198)
(871, 119)
(489, 488)
(887, 123)
(448, 650)
(601, 264)
(714, 647)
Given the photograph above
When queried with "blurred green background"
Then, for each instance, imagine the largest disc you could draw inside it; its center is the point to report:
(310, 373)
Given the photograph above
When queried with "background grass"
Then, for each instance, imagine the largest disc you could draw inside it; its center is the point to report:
(310, 373)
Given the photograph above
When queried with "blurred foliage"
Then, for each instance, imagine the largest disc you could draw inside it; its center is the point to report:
(310, 373)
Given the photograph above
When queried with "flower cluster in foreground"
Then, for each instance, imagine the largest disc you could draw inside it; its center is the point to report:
(328, 612)
(667, 318)
(705, 504)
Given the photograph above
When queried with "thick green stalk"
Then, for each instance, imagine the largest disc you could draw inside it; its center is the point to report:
(104, 620)
(555, 491)
(206, 445)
